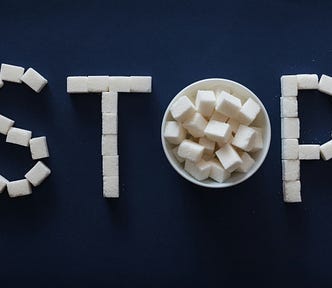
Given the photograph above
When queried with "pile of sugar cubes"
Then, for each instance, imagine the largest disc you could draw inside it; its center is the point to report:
(213, 136)
(291, 151)
(38, 145)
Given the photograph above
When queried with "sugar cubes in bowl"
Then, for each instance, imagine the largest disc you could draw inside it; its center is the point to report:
(216, 133)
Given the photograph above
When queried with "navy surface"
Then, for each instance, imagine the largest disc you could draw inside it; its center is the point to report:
(163, 231)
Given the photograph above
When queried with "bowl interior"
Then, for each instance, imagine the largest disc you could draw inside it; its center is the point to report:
(261, 121)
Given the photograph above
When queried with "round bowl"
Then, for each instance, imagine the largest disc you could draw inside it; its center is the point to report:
(262, 120)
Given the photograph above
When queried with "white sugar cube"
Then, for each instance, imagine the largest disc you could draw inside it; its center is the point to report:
(3, 183)
(140, 84)
(11, 73)
(288, 85)
(292, 191)
(109, 145)
(218, 172)
(289, 149)
(195, 125)
(110, 123)
(290, 128)
(182, 108)
(229, 158)
(111, 186)
(247, 163)
(18, 136)
(5, 124)
(325, 84)
(190, 150)
(309, 152)
(77, 84)
(218, 117)
(234, 124)
(1, 82)
(110, 165)
(208, 145)
(34, 80)
(326, 150)
(290, 170)
(218, 131)
(38, 148)
(228, 104)
(38, 173)
(109, 102)
(258, 142)
(244, 138)
(176, 155)
(19, 188)
(307, 81)
(98, 84)
(174, 132)
(248, 112)
(199, 170)
(119, 84)
(205, 102)
(288, 107)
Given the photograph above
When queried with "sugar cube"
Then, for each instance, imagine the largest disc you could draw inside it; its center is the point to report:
(119, 84)
(19, 188)
(77, 84)
(234, 124)
(182, 108)
(326, 150)
(11, 73)
(190, 150)
(289, 149)
(141, 84)
(5, 124)
(208, 145)
(34, 80)
(1, 82)
(199, 170)
(290, 170)
(218, 172)
(292, 191)
(174, 132)
(109, 145)
(288, 85)
(247, 163)
(195, 125)
(3, 183)
(176, 155)
(228, 104)
(229, 158)
(109, 102)
(258, 142)
(248, 112)
(18, 136)
(325, 84)
(290, 128)
(110, 165)
(309, 152)
(288, 107)
(244, 138)
(111, 186)
(110, 123)
(98, 84)
(218, 131)
(205, 102)
(218, 117)
(307, 81)
(37, 174)
(38, 148)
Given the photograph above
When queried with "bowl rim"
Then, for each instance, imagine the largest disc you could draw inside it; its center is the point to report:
(191, 179)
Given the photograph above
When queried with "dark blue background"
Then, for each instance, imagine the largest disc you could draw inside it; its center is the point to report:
(163, 231)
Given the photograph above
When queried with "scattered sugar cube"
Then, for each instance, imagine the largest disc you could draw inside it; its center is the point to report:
(289, 149)
(244, 138)
(34, 80)
(229, 158)
(1, 82)
(98, 84)
(77, 84)
(176, 155)
(218, 172)
(109, 102)
(182, 109)
(290, 128)
(258, 142)
(248, 112)
(288, 85)
(140, 84)
(234, 124)
(218, 131)
(199, 170)
(5, 124)
(325, 84)
(18, 136)
(292, 191)
(290, 170)
(228, 104)
(326, 150)
(3, 183)
(111, 165)
(38, 148)
(190, 150)
(119, 84)
(218, 117)
(247, 163)
(174, 132)
(307, 81)
(205, 102)
(11, 73)
(208, 145)
(37, 174)
(309, 152)
(195, 125)
(111, 186)
(19, 188)
(288, 107)
(110, 123)
(109, 145)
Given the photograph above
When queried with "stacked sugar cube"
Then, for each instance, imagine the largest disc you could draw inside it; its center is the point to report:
(213, 136)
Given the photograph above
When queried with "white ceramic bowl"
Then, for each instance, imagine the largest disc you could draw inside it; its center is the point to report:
(261, 121)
